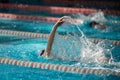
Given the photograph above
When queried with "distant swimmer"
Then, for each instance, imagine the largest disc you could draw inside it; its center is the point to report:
(95, 24)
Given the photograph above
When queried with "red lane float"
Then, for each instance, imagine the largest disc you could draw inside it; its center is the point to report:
(51, 9)
(117, 12)
(32, 18)
(56, 10)
(25, 17)
(84, 2)
(58, 67)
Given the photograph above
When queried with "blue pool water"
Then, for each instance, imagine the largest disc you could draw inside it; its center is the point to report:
(42, 27)
(27, 50)
(23, 48)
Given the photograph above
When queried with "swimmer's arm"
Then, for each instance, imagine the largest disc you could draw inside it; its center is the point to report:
(51, 37)
(102, 27)
(116, 28)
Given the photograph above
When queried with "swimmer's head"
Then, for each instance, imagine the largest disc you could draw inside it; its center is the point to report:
(93, 24)
(40, 52)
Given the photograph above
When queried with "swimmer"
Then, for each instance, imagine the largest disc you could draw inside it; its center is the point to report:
(46, 52)
(97, 25)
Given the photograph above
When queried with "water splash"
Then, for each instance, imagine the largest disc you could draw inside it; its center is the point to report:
(79, 48)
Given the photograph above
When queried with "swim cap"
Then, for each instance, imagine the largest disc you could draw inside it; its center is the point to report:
(41, 52)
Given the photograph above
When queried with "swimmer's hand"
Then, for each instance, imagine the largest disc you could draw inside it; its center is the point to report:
(72, 20)
(60, 21)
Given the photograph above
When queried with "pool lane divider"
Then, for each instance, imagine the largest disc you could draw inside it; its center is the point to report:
(41, 35)
(26, 34)
(33, 18)
(56, 10)
(84, 2)
(59, 67)
(25, 17)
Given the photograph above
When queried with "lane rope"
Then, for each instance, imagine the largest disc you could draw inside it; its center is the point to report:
(25, 17)
(56, 10)
(82, 2)
(58, 67)
(41, 35)
(36, 18)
